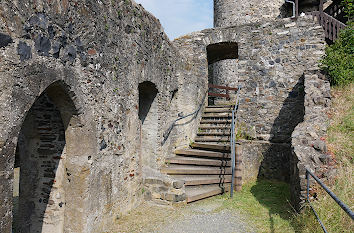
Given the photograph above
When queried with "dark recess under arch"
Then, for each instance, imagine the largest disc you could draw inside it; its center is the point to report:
(147, 94)
(222, 51)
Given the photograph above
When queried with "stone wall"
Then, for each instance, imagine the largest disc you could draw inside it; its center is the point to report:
(264, 159)
(233, 12)
(308, 139)
(89, 57)
(272, 58)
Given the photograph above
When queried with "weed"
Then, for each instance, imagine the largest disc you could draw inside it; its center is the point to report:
(191, 142)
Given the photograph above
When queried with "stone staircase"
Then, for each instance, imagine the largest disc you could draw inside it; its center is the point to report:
(205, 167)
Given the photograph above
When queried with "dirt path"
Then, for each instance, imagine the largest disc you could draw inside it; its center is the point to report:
(207, 216)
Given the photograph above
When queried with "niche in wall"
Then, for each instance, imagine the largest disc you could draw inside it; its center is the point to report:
(41, 197)
(148, 116)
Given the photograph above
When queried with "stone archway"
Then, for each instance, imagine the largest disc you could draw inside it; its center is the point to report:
(47, 147)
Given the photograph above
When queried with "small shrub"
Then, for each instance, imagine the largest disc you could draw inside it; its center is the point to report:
(348, 8)
(339, 59)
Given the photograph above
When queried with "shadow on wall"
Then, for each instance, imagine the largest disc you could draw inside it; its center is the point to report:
(276, 159)
(286, 10)
(275, 195)
(147, 94)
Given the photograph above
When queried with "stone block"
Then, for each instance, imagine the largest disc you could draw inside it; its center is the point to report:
(178, 184)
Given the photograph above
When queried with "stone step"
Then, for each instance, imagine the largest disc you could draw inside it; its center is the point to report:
(213, 121)
(197, 161)
(212, 139)
(195, 193)
(174, 169)
(192, 180)
(204, 153)
(217, 115)
(210, 127)
(211, 146)
(217, 110)
(214, 133)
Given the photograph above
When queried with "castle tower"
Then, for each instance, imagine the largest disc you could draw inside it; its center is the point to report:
(236, 12)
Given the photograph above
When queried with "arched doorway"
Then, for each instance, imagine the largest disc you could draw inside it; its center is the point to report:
(41, 176)
(148, 116)
(222, 65)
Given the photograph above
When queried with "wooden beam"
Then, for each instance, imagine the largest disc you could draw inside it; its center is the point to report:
(218, 95)
(223, 87)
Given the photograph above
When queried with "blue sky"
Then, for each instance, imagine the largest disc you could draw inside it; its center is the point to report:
(179, 17)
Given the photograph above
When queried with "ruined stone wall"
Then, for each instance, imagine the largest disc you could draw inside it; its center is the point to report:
(308, 139)
(193, 79)
(272, 59)
(89, 57)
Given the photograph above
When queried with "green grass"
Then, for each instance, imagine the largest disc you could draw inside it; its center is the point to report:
(341, 130)
(266, 204)
(340, 144)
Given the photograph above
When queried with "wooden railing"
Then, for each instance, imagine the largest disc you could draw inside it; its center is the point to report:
(327, 19)
(330, 25)
(226, 88)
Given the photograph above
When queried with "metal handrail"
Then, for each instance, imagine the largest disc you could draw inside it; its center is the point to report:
(233, 141)
(334, 197)
(180, 117)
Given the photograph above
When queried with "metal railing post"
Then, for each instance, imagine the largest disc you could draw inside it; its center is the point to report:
(233, 142)
(321, 13)
(296, 9)
(232, 138)
(334, 197)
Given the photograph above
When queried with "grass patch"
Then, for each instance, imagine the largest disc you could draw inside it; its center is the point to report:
(341, 130)
(340, 143)
(266, 204)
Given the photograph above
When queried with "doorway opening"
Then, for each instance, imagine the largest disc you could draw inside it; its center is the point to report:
(222, 65)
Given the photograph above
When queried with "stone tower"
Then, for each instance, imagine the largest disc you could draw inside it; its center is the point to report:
(236, 12)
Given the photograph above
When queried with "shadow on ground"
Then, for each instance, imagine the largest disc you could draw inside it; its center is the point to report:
(275, 197)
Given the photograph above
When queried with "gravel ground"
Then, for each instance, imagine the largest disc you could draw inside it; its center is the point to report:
(206, 216)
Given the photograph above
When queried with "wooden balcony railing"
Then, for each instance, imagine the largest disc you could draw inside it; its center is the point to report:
(328, 18)
(330, 25)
